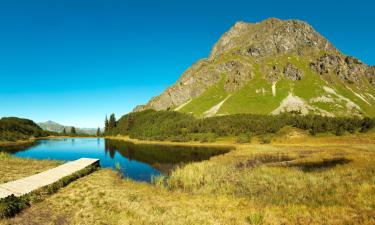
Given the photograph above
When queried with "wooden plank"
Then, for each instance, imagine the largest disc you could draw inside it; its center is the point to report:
(28, 184)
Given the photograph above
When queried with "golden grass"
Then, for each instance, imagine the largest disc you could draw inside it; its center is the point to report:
(320, 183)
(103, 198)
(13, 168)
(339, 179)
(15, 143)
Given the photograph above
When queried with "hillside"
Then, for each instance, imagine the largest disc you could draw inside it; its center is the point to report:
(272, 67)
(56, 127)
(13, 129)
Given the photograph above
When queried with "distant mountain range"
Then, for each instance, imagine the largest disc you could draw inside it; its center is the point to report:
(272, 67)
(56, 127)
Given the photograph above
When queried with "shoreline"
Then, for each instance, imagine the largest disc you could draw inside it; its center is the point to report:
(16, 143)
(52, 137)
(171, 143)
(322, 140)
(32, 140)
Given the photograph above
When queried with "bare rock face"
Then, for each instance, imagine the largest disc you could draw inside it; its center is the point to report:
(292, 72)
(370, 74)
(193, 82)
(346, 68)
(238, 74)
(270, 37)
(273, 73)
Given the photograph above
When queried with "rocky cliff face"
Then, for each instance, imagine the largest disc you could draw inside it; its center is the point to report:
(347, 68)
(255, 57)
(270, 37)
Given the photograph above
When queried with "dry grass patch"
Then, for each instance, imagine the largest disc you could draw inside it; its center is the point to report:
(337, 177)
(13, 168)
(254, 184)
(104, 198)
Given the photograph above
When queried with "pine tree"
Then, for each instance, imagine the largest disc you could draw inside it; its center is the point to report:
(112, 122)
(64, 131)
(98, 133)
(106, 125)
(73, 130)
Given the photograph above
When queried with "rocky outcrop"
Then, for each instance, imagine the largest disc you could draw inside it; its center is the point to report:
(347, 68)
(193, 82)
(270, 37)
(370, 74)
(237, 74)
(292, 72)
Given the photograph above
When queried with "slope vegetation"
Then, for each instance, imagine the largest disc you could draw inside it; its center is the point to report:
(272, 67)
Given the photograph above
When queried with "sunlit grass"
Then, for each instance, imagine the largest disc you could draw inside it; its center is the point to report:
(317, 183)
(13, 168)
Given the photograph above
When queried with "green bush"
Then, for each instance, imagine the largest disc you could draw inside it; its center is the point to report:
(243, 138)
(11, 205)
(265, 139)
(208, 137)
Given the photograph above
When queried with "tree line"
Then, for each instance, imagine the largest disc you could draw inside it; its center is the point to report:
(110, 124)
(175, 126)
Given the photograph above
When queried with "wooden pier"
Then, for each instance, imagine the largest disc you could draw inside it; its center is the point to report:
(26, 185)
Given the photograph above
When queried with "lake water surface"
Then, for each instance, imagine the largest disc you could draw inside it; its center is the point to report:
(137, 161)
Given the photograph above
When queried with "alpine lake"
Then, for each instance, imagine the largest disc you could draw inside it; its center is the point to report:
(140, 162)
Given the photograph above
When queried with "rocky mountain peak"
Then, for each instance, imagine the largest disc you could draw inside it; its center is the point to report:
(270, 67)
(269, 37)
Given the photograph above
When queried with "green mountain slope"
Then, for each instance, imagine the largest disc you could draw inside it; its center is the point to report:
(272, 67)
(13, 129)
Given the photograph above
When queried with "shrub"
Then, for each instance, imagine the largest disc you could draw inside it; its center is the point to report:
(265, 139)
(209, 137)
(11, 205)
(243, 138)
(255, 218)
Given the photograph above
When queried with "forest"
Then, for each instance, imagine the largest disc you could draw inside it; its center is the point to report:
(175, 126)
(13, 129)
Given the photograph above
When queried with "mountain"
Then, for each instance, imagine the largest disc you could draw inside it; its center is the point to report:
(13, 129)
(271, 67)
(56, 127)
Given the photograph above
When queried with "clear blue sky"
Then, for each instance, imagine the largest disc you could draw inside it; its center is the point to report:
(76, 61)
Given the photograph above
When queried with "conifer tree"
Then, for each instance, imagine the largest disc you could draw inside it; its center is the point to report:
(73, 130)
(112, 122)
(98, 133)
(106, 125)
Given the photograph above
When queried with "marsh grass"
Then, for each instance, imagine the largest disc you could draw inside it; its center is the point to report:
(319, 164)
(254, 184)
(276, 176)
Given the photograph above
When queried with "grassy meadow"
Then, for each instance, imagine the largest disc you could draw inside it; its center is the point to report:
(293, 180)
(13, 168)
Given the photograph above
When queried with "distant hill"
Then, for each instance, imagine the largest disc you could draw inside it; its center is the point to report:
(13, 129)
(56, 127)
(272, 67)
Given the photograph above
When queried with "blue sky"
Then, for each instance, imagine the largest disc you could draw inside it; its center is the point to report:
(76, 61)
